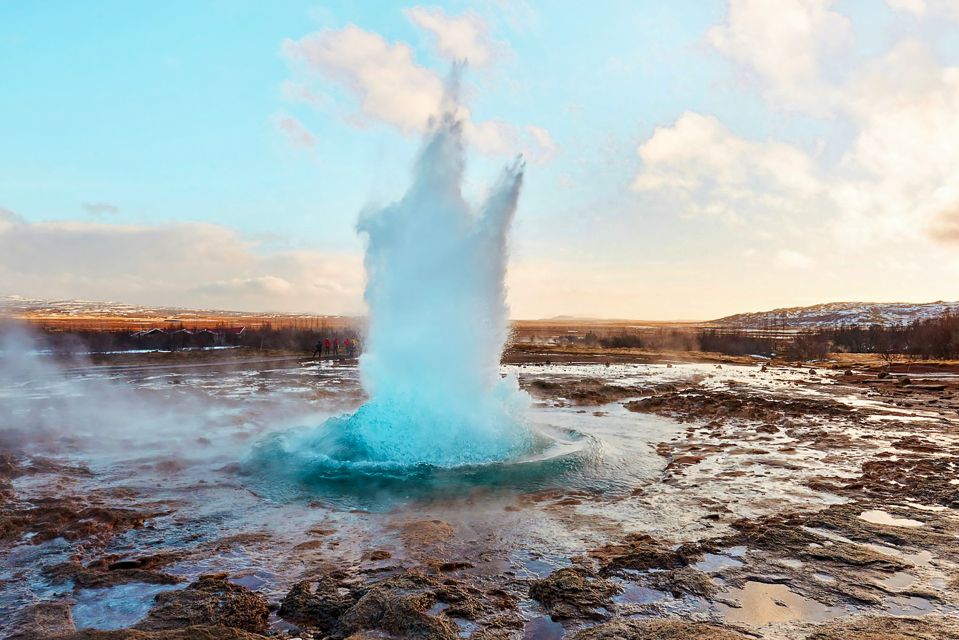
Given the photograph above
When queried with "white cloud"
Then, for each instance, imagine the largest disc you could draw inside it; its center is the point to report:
(916, 7)
(708, 170)
(927, 8)
(392, 88)
(785, 43)
(269, 285)
(542, 148)
(294, 131)
(191, 264)
(384, 77)
(463, 37)
(903, 166)
(790, 259)
(896, 184)
(944, 227)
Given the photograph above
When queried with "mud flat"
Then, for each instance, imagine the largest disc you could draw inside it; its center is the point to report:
(717, 501)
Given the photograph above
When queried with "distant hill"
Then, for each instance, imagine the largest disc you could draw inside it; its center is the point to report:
(81, 314)
(838, 313)
(21, 306)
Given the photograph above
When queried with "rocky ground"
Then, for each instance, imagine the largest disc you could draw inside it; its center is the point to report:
(771, 502)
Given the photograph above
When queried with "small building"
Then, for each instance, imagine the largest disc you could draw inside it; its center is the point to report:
(204, 339)
(152, 339)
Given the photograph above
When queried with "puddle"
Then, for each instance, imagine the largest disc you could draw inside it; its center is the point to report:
(714, 562)
(543, 628)
(927, 507)
(898, 581)
(792, 563)
(875, 516)
(902, 606)
(762, 604)
(920, 558)
(530, 566)
(636, 594)
(115, 607)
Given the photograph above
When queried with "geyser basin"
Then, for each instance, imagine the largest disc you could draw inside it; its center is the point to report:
(331, 462)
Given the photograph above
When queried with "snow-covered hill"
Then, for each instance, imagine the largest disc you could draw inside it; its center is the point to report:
(19, 306)
(838, 313)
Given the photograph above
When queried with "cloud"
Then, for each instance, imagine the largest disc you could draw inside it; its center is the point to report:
(944, 227)
(457, 38)
(785, 45)
(188, 264)
(902, 168)
(385, 78)
(270, 285)
(705, 168)
(294, 131)
(885, 188)
(8, 219)
(100, 208)
(542, 148)
(790, 259)
(916, 7)
(391, 87)
(927, 8)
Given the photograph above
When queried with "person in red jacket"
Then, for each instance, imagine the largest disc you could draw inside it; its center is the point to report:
(336, 346)
(327, 345)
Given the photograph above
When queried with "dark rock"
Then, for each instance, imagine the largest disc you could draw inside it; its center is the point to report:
(657, 630)
(111, 571)
(685, 581)
(317, 604)
(639, 552)
(574, 593)
(196, 632)
(43, 620)
(70, 518)
(399, 606)
(713, 404)
(889, 628)
(210, 600)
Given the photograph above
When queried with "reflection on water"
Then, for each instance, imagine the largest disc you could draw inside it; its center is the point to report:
(877, 516)
(762, 604)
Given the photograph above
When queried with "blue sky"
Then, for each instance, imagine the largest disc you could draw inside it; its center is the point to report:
(686, 159)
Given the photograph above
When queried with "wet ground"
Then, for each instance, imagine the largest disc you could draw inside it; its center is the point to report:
(703, 501)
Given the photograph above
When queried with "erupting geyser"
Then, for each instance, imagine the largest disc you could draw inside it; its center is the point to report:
(438, 318)
(438, 323)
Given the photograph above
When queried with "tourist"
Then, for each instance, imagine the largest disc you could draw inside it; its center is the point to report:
(327, 343)
(336, 347)
(318, 351)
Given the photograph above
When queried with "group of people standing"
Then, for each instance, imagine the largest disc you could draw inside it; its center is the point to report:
(332, 346)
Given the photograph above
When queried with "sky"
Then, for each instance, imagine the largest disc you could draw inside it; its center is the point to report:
(685, 160)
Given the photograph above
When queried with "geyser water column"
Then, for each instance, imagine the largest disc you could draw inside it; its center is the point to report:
(438, 320)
